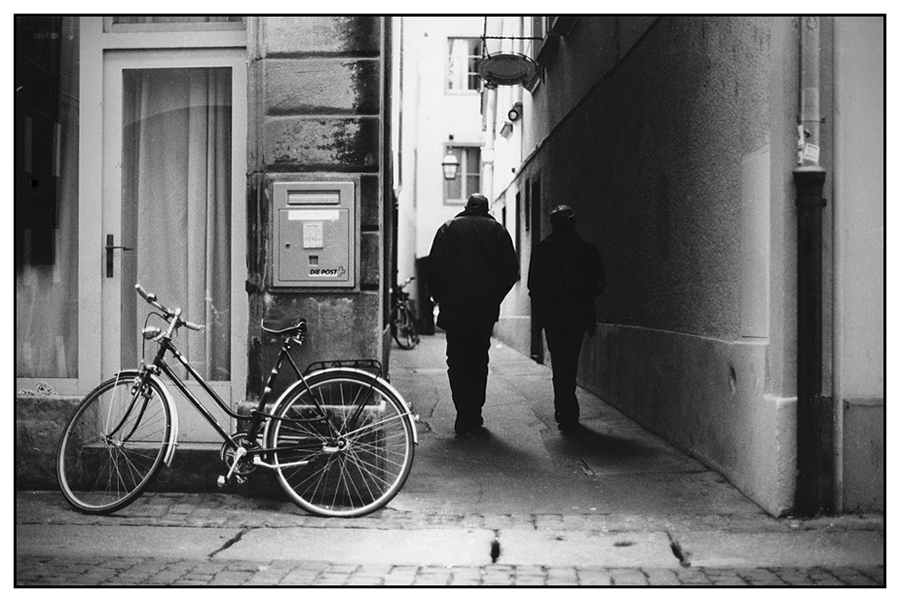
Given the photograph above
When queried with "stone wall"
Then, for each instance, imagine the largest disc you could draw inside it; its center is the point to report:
(318, 112)
(40, 421)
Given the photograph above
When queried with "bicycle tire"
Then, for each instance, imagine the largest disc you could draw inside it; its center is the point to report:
(404, 329)
(413, 331)
(114, 444)
(367, 465)
(395, 325)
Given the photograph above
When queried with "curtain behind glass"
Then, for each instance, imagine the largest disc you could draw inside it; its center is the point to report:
(458, 67)
(176, 208)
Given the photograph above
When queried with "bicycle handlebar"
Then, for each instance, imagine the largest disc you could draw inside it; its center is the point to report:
(169, 314)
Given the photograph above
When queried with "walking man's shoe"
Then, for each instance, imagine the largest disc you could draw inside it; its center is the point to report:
(569, 426)
(461, 429)
(465, 428)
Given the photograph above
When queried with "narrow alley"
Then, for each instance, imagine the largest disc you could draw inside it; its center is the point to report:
(523, 505)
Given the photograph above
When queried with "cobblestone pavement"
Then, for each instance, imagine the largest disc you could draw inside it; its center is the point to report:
(43, 571)
(235, 510)
(221, 511)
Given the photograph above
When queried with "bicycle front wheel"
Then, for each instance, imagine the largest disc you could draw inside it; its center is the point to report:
(114, 444)
(354, 461)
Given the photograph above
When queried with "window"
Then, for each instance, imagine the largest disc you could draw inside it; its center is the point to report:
(527, 208)
(463, 54)
(519, 224)
(46, 196)
(468, 179)
(140, 23)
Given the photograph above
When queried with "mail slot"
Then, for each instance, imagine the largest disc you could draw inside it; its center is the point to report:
(315, 234)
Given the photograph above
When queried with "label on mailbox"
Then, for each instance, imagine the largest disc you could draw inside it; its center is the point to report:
(312, 235)
(312, 214)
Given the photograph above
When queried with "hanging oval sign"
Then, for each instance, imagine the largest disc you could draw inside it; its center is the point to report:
(506, 69)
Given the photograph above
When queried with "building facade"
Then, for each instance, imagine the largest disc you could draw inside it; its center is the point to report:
(241, 168)
(437, 104)
(676, 141)
(234, 166)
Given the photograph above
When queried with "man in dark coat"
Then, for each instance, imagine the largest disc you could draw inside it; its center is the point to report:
(566, 274)
(472, 266)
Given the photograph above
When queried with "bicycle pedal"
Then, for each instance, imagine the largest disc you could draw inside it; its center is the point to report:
(221, 481)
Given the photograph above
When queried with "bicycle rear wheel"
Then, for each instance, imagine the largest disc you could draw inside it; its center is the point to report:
(351, 463)
(114, 444)
(404, 329)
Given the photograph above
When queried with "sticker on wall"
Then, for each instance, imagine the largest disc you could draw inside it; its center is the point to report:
(811, 152)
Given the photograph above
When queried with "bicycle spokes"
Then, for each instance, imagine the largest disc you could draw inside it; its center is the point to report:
(113, 445)
(357, 461)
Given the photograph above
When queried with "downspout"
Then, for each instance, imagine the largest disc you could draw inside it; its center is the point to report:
(815, 414)
(490, 136)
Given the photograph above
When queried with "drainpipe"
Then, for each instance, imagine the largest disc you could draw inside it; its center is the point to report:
(815, 414)
(490, 136)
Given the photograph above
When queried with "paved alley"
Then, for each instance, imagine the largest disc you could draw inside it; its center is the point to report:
(524, 505)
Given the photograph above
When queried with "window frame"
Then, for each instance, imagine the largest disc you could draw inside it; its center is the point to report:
(462, 174)
(110, 26)
(470, 66)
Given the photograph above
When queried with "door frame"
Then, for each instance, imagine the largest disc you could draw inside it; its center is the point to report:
(230, 47)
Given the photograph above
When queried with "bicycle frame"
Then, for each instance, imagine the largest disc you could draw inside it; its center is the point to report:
(400, 296)
(258, 417)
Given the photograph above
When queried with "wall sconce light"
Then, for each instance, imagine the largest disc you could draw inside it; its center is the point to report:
(515, 113)
(450, 165)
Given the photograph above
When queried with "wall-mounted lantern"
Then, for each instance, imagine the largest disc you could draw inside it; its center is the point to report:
(450, 165)
(515, 112)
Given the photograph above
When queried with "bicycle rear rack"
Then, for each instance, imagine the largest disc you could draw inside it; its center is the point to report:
(373, 366)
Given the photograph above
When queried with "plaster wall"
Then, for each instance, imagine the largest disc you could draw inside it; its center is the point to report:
(432, 115)
(404, 101)
(677, 160)
(858, 206)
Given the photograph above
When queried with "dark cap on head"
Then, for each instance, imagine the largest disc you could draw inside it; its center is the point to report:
(477, 202)
(562, 219)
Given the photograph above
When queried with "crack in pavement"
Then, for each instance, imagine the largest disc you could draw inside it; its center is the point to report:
(678, 551)
(231, 541)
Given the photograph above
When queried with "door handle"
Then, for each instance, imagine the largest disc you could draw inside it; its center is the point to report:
(110, 247)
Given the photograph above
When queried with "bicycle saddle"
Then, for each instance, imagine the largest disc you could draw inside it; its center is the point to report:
(281, 327)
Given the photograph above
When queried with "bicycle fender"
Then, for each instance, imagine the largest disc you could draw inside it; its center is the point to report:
(173, 436)
(299, 384)
(172, 443)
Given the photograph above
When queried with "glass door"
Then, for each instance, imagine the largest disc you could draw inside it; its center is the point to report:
(173, 216)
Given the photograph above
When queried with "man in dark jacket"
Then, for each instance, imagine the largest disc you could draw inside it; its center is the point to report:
(472, 266)
(566, 274)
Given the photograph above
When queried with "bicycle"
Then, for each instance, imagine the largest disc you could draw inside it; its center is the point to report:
(403, 324)
(340, 438)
